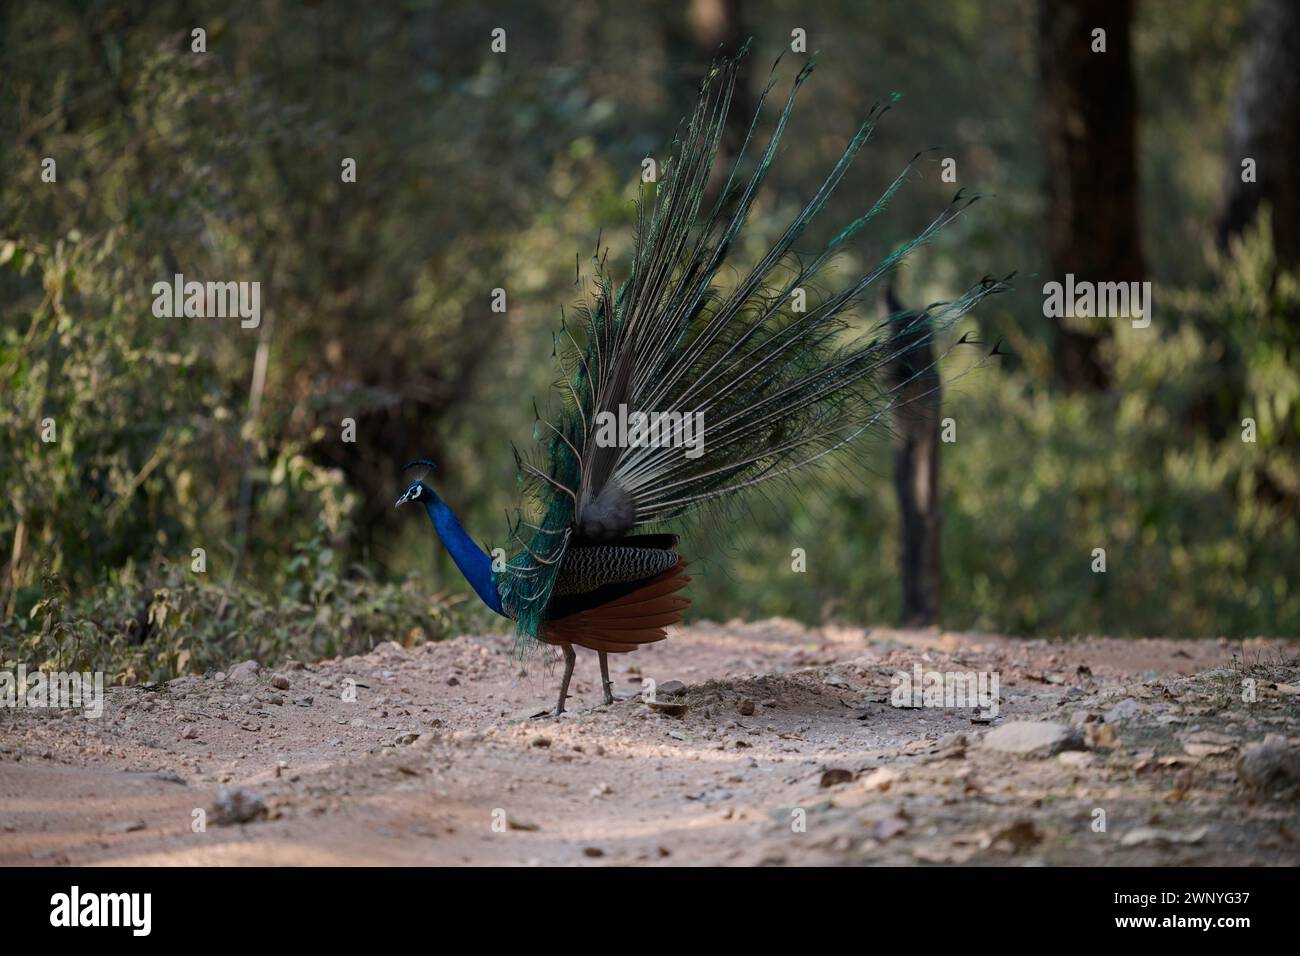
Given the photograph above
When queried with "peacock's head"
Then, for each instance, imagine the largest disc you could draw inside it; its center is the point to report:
(417, 490)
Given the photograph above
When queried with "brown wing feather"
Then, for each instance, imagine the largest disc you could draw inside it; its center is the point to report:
(639, 617)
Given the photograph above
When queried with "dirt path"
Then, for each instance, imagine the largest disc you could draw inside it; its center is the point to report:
(789, 752)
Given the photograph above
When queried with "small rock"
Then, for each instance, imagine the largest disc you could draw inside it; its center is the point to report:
(524, 825)
(280, 682)
(1016, 838)
(1154, 836)
(126, 826)
(1271, 765)
(671, 708)
(745, 707)
(889, 828)
(592, 851)
(1200, 748)
(673, 688)
(244, 672)
(1032, 738)
(236, 806)
(882, 778)
(951, 746)
(1077, 758)
(1208, 743)
(1100, 736)
(835, 776)
(1122, 711)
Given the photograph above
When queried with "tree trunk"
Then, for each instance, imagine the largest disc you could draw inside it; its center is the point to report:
(1265, 126)
(713, 29)
(1088, 119)
(916, 465)
(718, 29)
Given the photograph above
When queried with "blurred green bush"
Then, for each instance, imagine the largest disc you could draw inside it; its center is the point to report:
(1199, 528)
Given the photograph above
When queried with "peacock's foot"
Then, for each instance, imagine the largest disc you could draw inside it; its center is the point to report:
(609, 693)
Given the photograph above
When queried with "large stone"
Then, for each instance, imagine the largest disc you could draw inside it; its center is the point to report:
(1031, 738)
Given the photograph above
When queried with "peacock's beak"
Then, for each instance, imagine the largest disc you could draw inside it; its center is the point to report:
(403, 500)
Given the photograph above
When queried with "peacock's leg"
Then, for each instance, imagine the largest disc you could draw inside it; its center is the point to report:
(605, 682)
(570, 658)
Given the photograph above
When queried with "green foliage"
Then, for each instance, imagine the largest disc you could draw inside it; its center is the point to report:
(479, 171)
(195, 625)
(1199, 529)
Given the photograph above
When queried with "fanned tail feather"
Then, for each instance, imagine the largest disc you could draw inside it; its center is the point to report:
(777, 389)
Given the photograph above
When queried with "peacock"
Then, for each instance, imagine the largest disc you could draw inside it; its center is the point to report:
(677, 394)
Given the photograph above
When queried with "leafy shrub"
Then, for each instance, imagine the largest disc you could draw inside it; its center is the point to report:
(194, 625)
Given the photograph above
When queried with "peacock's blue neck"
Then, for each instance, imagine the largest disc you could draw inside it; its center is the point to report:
(473, 562)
